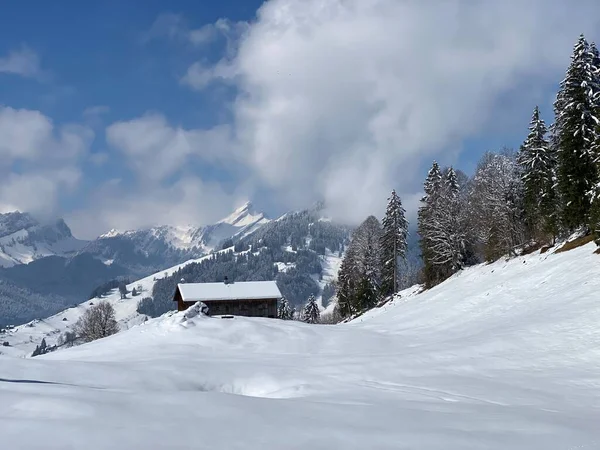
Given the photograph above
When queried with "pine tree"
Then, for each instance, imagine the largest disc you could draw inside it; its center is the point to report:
(311, 313)
(575, 125)
(441, 226)
(432, 188)
(594, 193)
(393, 244)
(345, 286)
(41, 349)
(446, 232)
(284, 311)
(537, 163)
(361, 263)
(366, 241)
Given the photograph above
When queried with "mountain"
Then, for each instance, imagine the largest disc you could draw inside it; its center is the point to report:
(499, 356)
(153, 249)
(300, 250)
(24, 239)
(46, 264)
(242, 222)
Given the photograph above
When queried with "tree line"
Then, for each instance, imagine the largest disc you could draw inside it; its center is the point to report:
(521, 200)
(370, 269)
(515, 201)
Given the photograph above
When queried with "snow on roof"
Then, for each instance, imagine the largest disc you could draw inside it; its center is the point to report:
(242, 290)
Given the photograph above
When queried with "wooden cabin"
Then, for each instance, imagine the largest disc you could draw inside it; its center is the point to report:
(244, 298)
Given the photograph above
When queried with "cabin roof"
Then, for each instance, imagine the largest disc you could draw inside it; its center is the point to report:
(242, 290)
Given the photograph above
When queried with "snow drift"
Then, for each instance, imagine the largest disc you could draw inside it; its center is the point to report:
(500, 356)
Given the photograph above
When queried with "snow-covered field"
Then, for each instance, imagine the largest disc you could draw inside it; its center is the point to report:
(501, 356)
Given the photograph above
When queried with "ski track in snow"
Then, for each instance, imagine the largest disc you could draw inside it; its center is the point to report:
(501, 356)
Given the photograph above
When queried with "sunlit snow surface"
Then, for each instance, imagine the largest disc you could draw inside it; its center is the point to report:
(502, 356)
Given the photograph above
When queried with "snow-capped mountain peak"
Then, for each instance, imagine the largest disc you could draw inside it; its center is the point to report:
(243, 216)
(149, 249)
(24, 239)
(112, 233)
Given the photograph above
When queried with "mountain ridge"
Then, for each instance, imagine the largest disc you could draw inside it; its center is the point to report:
(24, 239)
(32, 252)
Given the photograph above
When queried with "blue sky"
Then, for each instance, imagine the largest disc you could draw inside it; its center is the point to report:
(130, 114)
(99, 55)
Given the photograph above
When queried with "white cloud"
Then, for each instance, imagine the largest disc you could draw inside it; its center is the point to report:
(24, 62)
(47, 158)
(97, 110)
(155, 149)
(200, 75)
(176, 27)
(38, 191)
(187, 201)
(29, 135)
(349, 98)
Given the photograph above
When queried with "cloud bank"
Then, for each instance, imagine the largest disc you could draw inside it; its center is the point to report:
(39, 162)
(340, 100)
(347, 99)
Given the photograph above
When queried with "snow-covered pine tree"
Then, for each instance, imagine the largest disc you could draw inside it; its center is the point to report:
(284, 312)
(447, 235)
(594, 193)
(362, 261)
(538, 164)
(311, 313)
(366, 240)
(345, 285)
(576, 110)
(393, 244)
(430, 200)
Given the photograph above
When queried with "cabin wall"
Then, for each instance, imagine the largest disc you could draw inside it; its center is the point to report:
(247, 308)
(181, 305)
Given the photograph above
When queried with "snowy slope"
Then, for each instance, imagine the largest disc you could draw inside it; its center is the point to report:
(501, 356)
(331, 263)
(24, 338)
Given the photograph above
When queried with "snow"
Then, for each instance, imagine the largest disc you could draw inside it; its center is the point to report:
(501, 356)
(112, 233)
(330, 264)
(247, 290)
(239, 224)
(243, 216)
(24, 338)
(14, 250)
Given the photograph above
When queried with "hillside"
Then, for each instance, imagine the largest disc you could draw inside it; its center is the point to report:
(294, 250)
(43, 268)
(499, 356)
